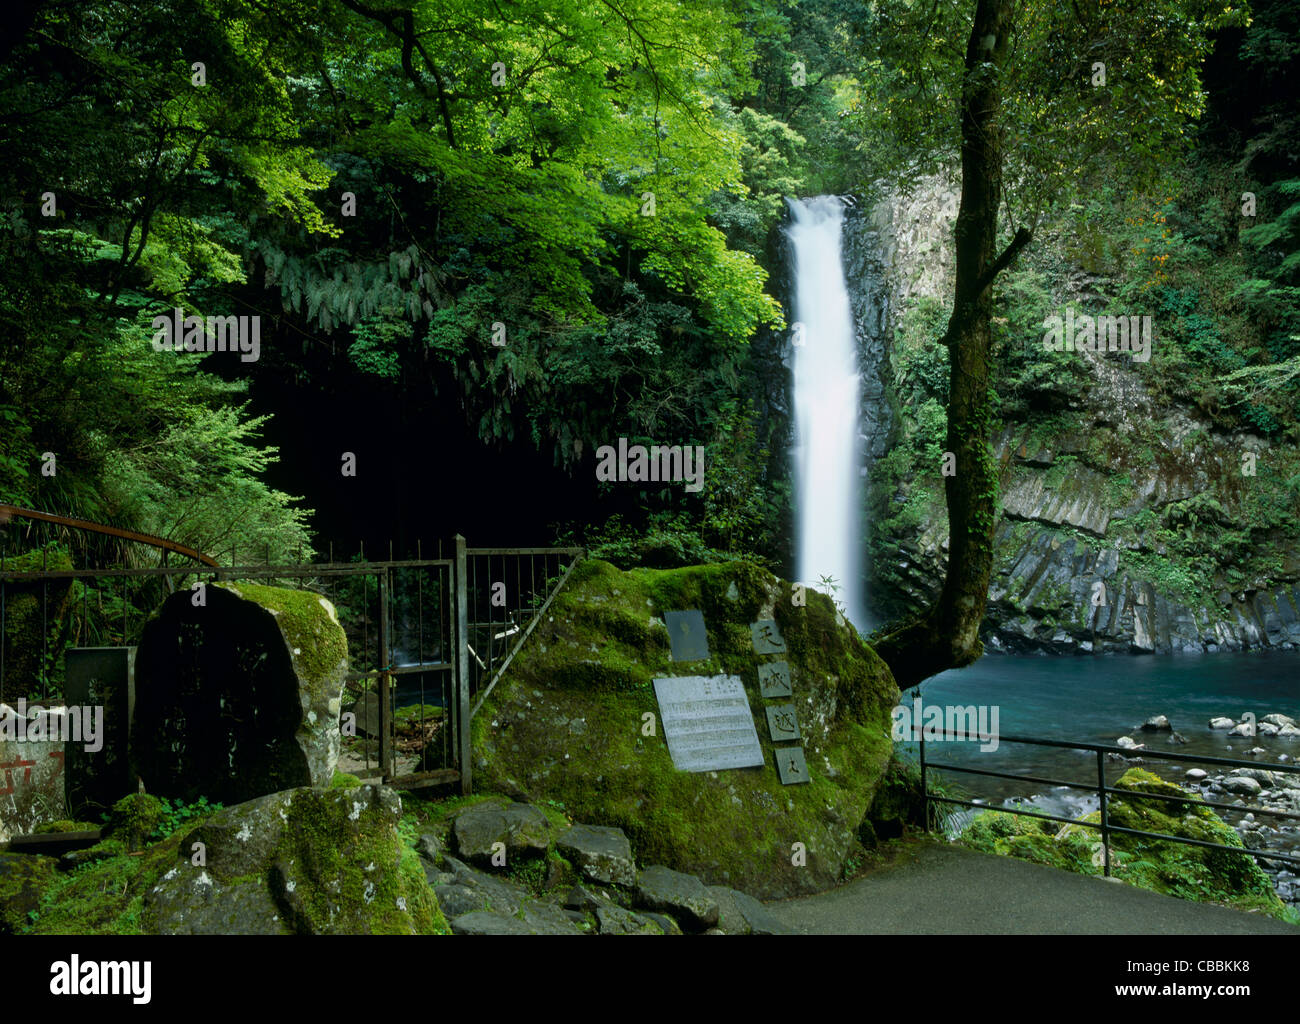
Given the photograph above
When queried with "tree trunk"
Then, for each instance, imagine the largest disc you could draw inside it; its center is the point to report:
(947, 636)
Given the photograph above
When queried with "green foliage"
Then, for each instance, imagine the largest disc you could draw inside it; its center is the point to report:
(177, 814)
(1059, 137)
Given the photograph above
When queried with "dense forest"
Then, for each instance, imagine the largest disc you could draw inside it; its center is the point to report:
(485, 239)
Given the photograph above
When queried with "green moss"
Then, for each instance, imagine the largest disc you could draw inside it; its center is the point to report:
(410, 716)
(1176, 869)
(23, 878)
(105, 897)
(309, 623)
(898, 803)
(330, 854)
(51, 827)
(134, 818)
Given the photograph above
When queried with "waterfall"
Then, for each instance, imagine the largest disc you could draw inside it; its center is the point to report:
(827, 390)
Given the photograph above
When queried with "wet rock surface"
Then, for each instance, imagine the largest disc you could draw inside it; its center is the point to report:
(486, 900)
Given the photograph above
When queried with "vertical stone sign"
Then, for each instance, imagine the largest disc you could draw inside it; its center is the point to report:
(100, 677)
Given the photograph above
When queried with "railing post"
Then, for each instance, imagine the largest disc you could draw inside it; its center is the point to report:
(1105, 822)
(925, 789)
(462, 719)
(386, 755)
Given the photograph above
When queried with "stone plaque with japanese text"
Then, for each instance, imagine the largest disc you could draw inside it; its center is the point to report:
(707, 723)
(767, 637)
(790, 765)
(783, 723)
(774, 680)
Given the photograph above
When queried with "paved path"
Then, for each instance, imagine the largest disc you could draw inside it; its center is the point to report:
(938, 888)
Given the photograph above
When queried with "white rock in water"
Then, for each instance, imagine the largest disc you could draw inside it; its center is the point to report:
(1196, 774)
(1128, 743)
(1278, 720)
(1221, 723)
(1288, 732)
(1244, 729)
(1267, 729)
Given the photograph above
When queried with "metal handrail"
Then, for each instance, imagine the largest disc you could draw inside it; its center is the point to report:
(1103, 791)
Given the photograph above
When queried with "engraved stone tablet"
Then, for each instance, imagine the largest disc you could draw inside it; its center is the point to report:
(686, 634)
(707, 723)
(791, 766)
(774, 679)
(767, 638)
(782, 722)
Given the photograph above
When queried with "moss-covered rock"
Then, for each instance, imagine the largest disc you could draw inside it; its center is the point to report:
(301, 861)
(566, 725)
(64, 825)
(1177, 869)
(305, 861)
(133, 819)
(106, 895)
(23, 878)
(239, 694)
(899, 802)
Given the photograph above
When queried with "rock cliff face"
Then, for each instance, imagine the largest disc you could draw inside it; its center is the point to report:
(1085, 561)
(1067, 579)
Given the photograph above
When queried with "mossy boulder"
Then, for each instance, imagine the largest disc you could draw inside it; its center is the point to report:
(566, 725)
(1177, 869)
(134, 818)
(23, 878)
(304, 861)
(238, 693)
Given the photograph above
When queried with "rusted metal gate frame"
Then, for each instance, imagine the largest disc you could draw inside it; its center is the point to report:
(577, 554)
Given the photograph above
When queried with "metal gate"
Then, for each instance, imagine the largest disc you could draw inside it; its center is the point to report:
(428, 638)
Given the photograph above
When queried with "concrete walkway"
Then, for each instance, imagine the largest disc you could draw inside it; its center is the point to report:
(940, 889)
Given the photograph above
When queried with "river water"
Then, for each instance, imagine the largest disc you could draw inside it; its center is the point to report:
(1099, 699)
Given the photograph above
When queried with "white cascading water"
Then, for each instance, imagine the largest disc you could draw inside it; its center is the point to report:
(826, 398)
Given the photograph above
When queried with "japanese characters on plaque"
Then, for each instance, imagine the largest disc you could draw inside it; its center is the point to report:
(775, 681)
